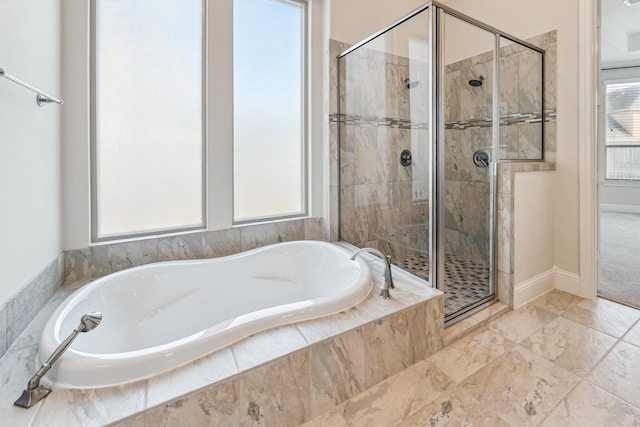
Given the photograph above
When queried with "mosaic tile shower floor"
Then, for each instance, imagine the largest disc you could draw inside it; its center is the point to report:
(467, 281)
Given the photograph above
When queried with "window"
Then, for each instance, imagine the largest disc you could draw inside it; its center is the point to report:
(269, 109)
(151, 109)
(622, 131)
(148, 109)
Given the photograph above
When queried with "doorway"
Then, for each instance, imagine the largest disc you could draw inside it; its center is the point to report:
(619, 152)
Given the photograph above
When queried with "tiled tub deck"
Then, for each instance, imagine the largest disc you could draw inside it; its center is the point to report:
(284, 376)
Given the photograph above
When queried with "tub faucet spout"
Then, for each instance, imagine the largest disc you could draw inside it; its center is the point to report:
(35, 391)
(388, 279)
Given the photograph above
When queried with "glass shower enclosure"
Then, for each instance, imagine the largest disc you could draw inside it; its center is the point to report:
(426, 109)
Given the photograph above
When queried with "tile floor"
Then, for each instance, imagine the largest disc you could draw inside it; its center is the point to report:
(558, 361)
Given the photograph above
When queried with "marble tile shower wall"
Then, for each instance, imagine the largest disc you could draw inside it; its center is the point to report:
(384, 204)
(468, 129)
(512, 62)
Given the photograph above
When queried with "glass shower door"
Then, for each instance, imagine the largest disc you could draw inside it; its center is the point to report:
(384, 144)
(467, 177)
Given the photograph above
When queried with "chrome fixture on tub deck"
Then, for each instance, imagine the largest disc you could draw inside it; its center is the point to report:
(388, 280)
(35, 392)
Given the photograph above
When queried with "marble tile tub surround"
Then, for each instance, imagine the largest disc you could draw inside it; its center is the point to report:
(505, 223)
(102, 259)
(19, 311)
(284, 376)
(96, 261)
(532, 366)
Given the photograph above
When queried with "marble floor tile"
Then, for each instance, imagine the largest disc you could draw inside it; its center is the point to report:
(331, 418)
(458, 330)
(495, 309)
(588, 405)
(472, 323)
(519, 324)
(557, 301)
(569, 345)
(395, 398)
(633, 336)
(454, 408)
(604, 315)
(467, 355)
(619, 373)
(137, 421)
(519, 386)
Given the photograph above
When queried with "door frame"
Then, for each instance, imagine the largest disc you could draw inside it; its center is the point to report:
(588, 92)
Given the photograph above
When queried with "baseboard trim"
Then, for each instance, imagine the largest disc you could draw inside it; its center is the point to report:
(554, 278)
(568, 282)
(532, 288)
(609, 207)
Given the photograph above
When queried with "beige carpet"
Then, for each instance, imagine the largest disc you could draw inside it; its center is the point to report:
(620, 257)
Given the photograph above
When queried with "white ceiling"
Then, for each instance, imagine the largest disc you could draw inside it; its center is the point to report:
(620, 33)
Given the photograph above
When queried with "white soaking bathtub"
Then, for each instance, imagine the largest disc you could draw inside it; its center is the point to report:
(160, 316)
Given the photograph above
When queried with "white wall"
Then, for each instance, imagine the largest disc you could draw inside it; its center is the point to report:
(29, 142)
(355, 20)
(533, 225)
(625, 198)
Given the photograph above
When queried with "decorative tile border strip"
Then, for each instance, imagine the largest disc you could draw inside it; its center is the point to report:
(506, 120)
(353, 119)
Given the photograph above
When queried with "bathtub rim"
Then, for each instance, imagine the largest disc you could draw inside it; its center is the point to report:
(357, 293)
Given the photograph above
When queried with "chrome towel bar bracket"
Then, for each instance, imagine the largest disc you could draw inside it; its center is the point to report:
(42, 98)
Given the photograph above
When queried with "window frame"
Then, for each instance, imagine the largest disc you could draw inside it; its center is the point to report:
(95, 237)
(218, 16)
(613, 78)
(304, 140)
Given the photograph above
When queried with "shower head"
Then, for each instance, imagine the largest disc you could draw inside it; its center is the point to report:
(476, 82)
(91, 321)
(409, 84)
